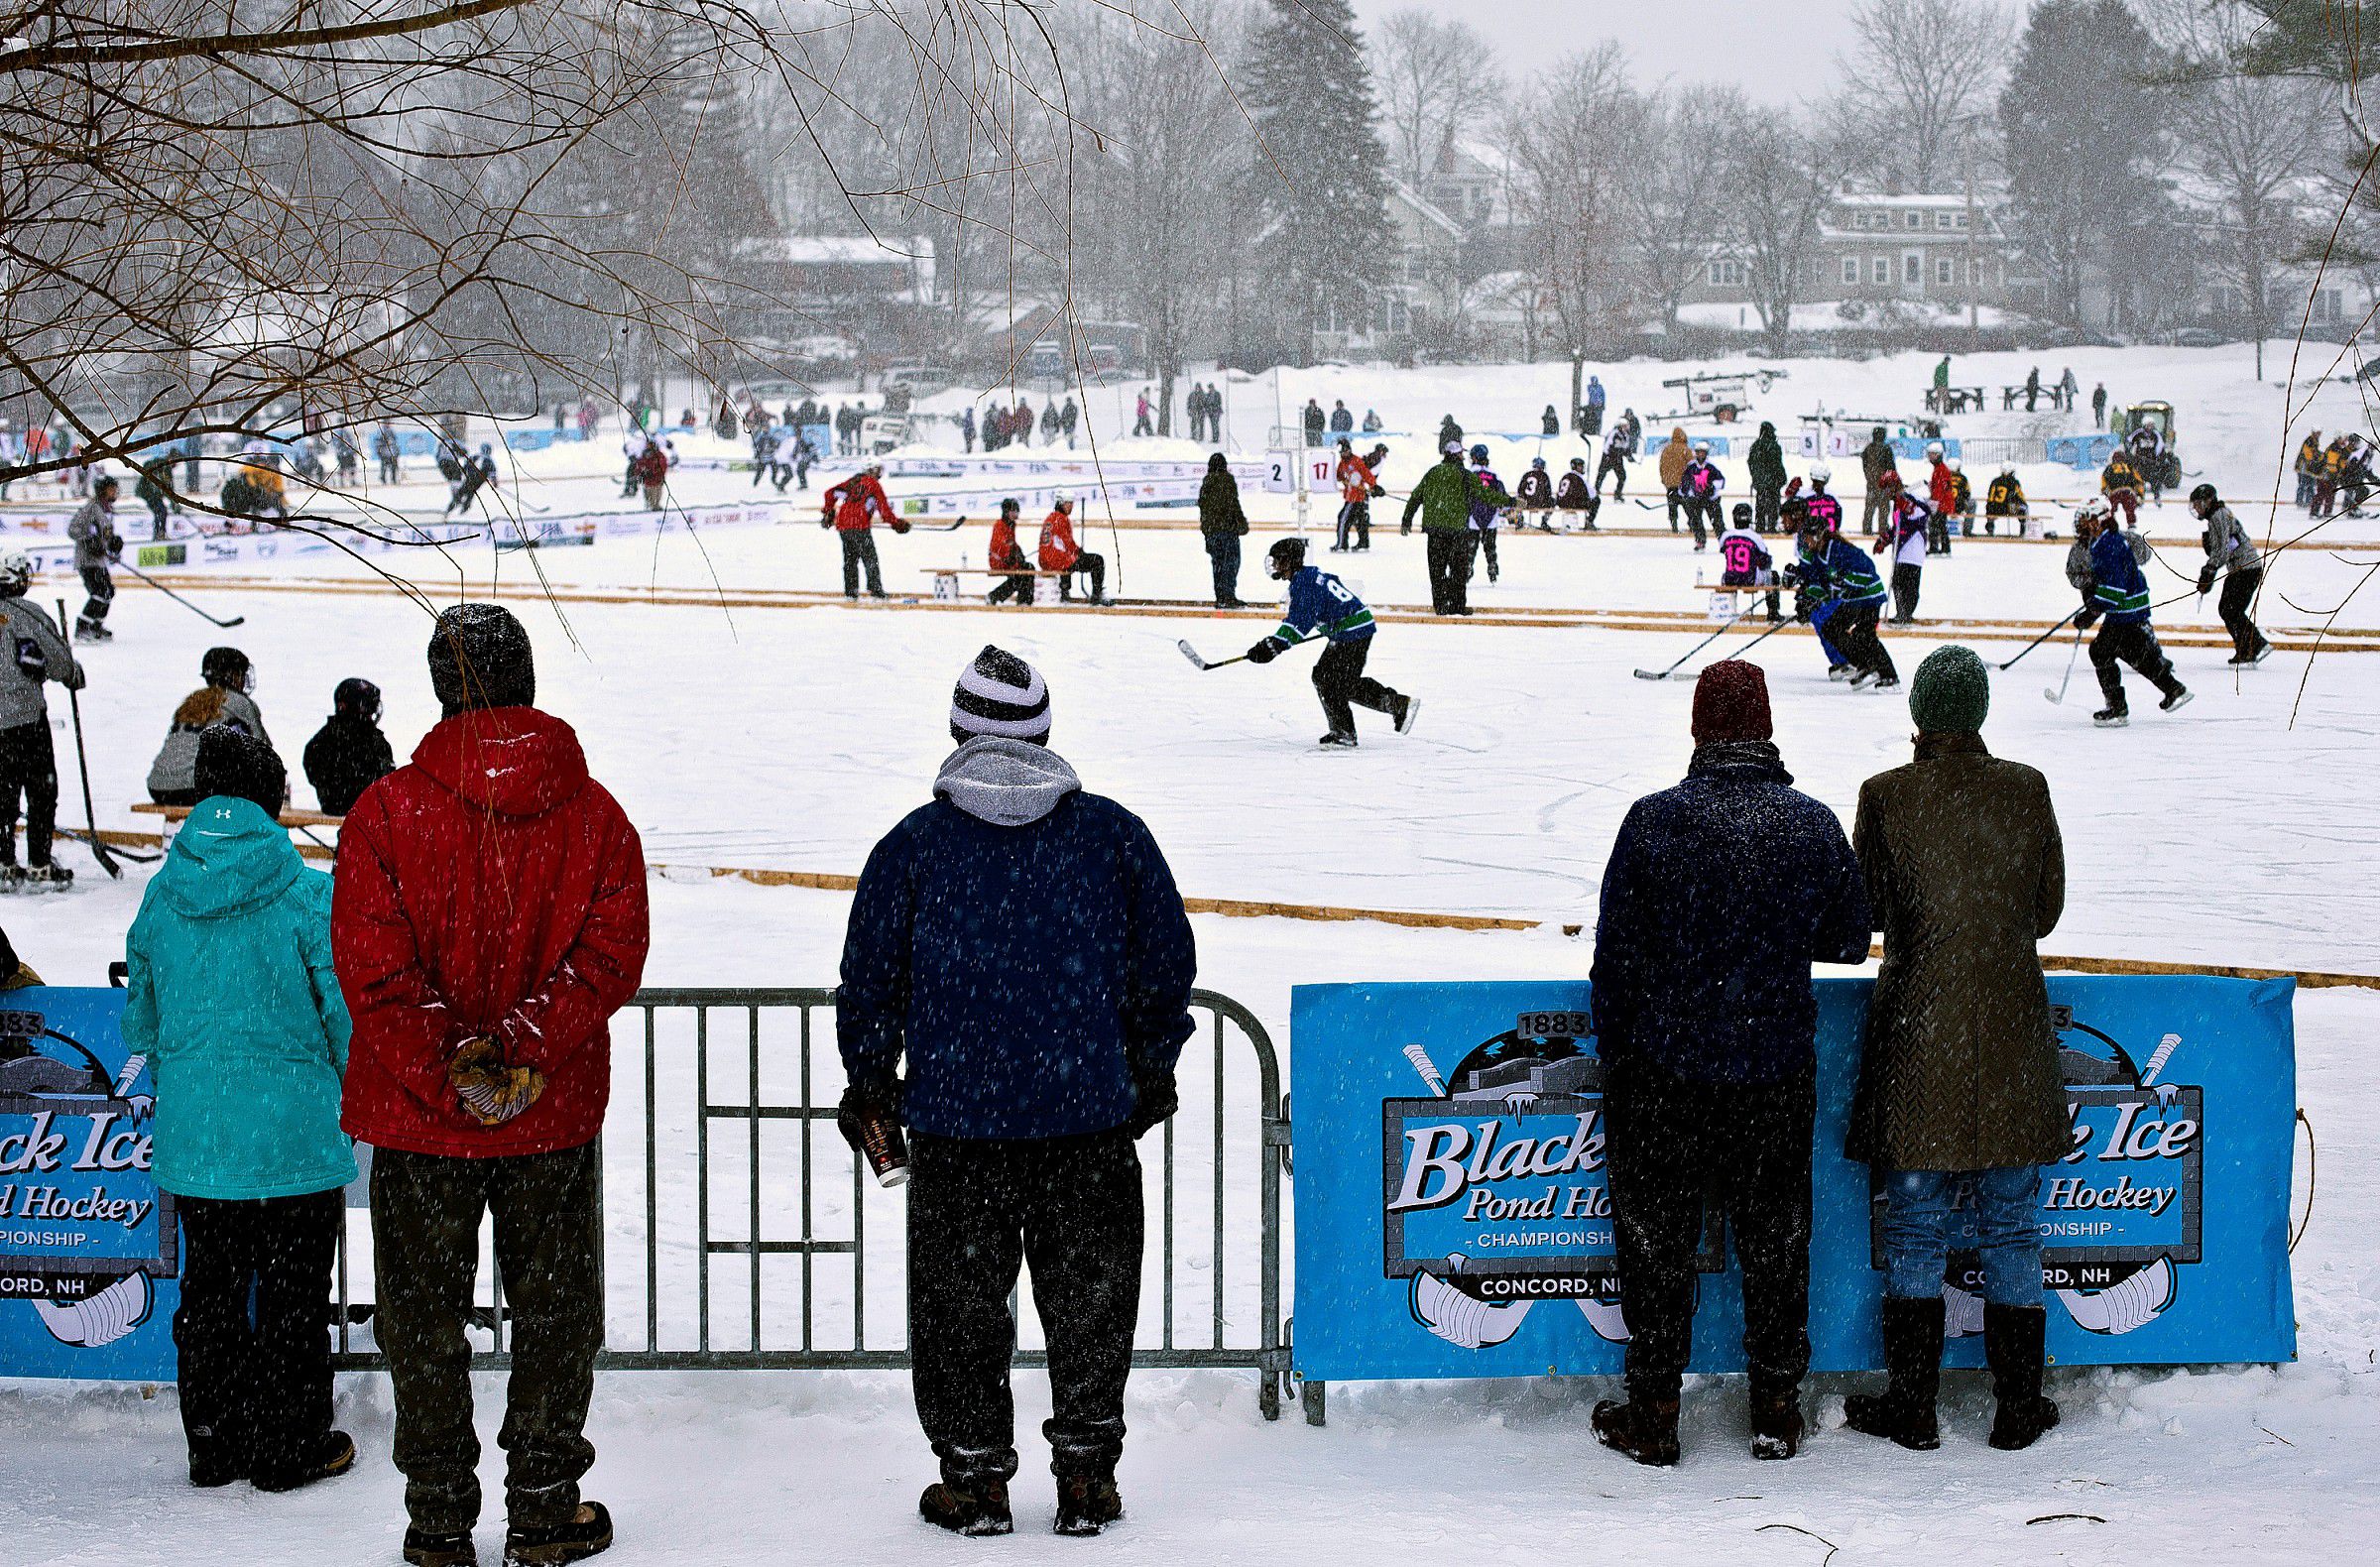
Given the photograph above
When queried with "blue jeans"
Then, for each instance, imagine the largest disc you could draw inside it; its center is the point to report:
(1817, 623)
(1918, 1205)
(1223, 553)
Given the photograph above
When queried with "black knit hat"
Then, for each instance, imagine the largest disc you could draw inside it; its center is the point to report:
(235, 763)
(1000, 694)
(479, 656)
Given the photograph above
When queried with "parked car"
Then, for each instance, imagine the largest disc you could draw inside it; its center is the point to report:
(921, 380)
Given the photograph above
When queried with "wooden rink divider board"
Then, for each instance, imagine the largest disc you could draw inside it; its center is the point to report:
(1256, 909)
(2285, 640)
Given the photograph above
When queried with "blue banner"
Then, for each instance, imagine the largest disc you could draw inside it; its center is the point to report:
(1453, 1218)
(89, 1253)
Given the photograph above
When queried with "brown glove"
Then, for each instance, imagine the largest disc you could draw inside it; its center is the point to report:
(491, 1092)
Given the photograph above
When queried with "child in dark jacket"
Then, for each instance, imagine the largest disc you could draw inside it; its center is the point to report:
(231, 996)
(348, 753)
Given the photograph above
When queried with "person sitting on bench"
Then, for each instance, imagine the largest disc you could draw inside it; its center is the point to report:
(1006, 555)
(1060, 554)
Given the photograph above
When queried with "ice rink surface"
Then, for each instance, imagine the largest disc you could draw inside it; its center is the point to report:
(745, 727)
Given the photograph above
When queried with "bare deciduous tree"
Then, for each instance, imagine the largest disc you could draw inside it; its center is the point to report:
(1783, 172)
(1567, 199)
(1668, 155)
(1920, 67)
(1431, 73)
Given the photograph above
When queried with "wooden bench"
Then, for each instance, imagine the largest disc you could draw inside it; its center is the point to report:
(173, 815)
(946, 579)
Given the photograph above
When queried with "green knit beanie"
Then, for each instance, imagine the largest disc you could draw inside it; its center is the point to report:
(1951, 693)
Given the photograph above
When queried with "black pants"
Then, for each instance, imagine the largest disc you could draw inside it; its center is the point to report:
(763, 468)
(253, 1332)
(1593, 424)
(1340, 681)
(156, 517)
(1450, 570)
(1853, 629)
(1071, 1208)
(388, 472)
(1617, 466)
(1355, 516)
(1701, 508)
(1938, 534)
(1483, 543)
(28, 767)
(2135, 645)
(1223, 559)
(1675, 501)
(2239, 591)
(425, 1216)
(1906, 580)
(1745, 1151)
(1094, 566)
(100, 589)
(1017, 588)
(1766, 502)
(859, 552)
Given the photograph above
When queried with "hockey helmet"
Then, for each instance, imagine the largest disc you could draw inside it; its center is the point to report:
(1955, 467)
(1063, 499)
(1286, 557)
(2204, 496)
(1479, 453)
(15, 574)
(357, 697)
(227, 667)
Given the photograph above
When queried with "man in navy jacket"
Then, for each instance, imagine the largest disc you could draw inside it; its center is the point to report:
(1720, 894)
(1022, 943)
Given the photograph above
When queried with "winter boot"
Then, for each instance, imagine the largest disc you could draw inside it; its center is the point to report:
(214, 1462)
(1086, 1503)
(2012, 1348)
(1776, 1417)
(586, 1532)
(439, 1550)
(1645, 1428)
(1904, 1411)
(1406, 708)
(968, 1505)
(331, 1454)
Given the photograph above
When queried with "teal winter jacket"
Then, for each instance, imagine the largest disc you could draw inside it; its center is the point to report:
(233, 1001)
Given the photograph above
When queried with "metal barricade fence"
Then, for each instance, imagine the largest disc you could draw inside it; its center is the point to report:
(739, 1233)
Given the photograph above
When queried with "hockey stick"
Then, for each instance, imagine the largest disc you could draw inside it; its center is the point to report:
(1663, 675)
(1191, 653)
(99, 851)
(2058, 695)
(83, 835)
(236, 620)
(2038, 641)
(1763, 637)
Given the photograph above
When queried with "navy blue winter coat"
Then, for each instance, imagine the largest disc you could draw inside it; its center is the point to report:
(1023, 943)
(1720, 894)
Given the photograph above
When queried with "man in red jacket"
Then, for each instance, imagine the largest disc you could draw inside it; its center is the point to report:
(488, 916)
(1059, 552)
(852, 509)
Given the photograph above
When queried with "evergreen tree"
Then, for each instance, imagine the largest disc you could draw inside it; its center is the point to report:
(2081, 128)
(1319, 188)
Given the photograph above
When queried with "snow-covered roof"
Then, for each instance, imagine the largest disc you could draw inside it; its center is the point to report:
(1423, 208)
(1871, 198)
(825, 250)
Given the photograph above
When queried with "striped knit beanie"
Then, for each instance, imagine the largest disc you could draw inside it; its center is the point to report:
(1000, 694)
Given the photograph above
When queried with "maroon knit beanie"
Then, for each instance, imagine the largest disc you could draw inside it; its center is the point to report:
(1731, 702)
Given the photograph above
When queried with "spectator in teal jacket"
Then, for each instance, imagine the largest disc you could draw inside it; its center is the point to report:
(232, 999)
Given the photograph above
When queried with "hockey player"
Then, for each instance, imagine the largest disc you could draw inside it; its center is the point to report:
(96, 545)
(35, 651)
(2115, 589)
(2005, 497)
(2148, 459)
(1535, 497)
(1908, 537)
(1616, 452)
(1820, 505)
(2120, 482)
(765, 438)
(1008, 556)
(1489, 503)
(348, 753)
(1744, 561)
(1573, 495)
(1320, 605)
(2231, 552)
(1356, 486)
(1962, 508)
(1846, 597)
(478, 472)
(1699, 486)
(852, 510)
(1059, 552)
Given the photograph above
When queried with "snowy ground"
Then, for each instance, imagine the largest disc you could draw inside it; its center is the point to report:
(765, 730)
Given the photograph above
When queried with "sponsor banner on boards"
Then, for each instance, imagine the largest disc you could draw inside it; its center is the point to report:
(1453, 1206)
